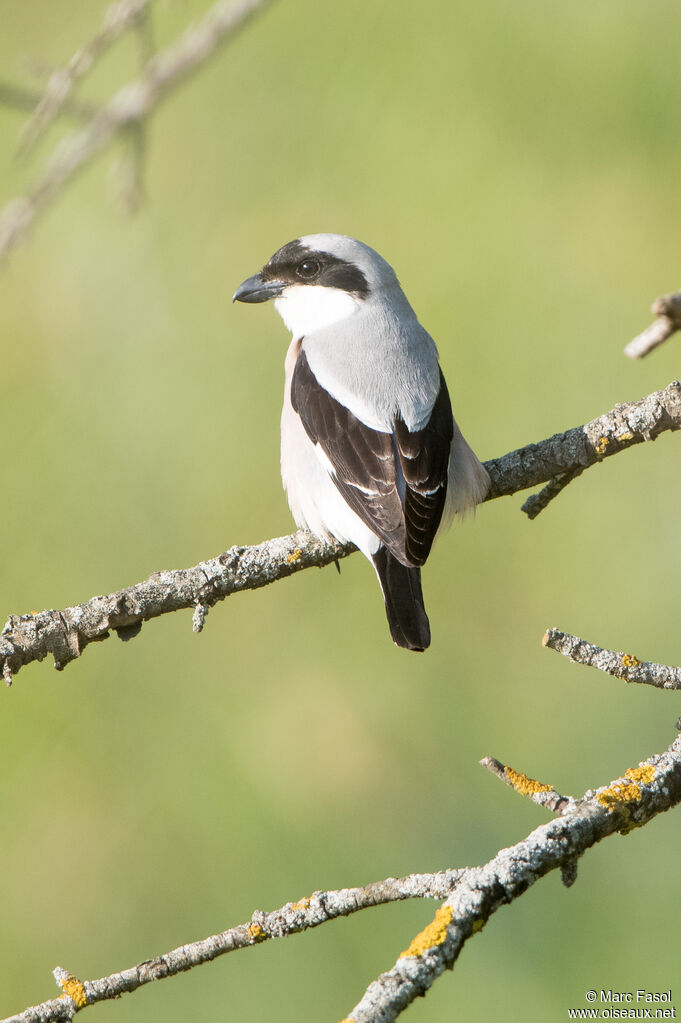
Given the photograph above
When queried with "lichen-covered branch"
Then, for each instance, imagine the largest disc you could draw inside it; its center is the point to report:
(471, 896)
(628, 802)
(564, 456)
(65, 634)
(539, 792)
(622, 665)
(129, 107)
(294, 917)
(667, 309)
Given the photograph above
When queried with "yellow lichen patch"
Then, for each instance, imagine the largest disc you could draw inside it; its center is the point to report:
(524, 785)
(643, 774)
(629, 661)
(301, 904)
(625, 436)
(619, 794)
(628, 791)
(256, 932)
(294, 556)
(432, 935)
(601, 446)
(72, 987)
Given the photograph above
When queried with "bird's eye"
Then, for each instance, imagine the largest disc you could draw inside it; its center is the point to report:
(308, 269)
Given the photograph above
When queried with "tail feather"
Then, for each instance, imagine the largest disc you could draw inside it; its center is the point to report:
(401, 585)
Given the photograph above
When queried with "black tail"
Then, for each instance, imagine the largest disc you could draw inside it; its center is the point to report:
(401, 585)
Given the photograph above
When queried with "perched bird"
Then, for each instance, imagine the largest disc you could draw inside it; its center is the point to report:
(370, 452)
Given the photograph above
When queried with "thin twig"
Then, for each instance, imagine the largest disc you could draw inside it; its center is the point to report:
(293, 918)
(146, 38)
(537, 502)
(128, 174)
(622, 665)
(65, 634)
(118, 19)
(26, 99)
(541, 794)
(130, 106)
(667, 309)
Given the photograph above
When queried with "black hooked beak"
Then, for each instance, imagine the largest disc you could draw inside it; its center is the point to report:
(257, 289)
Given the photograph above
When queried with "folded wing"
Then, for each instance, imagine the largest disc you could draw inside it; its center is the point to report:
(395, 482)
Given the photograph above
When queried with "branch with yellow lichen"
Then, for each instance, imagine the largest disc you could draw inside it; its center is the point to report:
(628, 802)
(471, 896)
(562, 458)
(540, 793)
(66, 633)
(624, 804)
(622, 665)
(293, 918)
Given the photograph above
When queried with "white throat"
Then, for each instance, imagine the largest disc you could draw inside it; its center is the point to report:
(305, 308)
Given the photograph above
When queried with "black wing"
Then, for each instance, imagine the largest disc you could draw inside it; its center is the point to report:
(365, 464)
(424, 459)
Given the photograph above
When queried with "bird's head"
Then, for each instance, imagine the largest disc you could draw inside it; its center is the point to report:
(319, 279)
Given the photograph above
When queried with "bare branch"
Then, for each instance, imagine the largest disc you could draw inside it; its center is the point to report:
(127, 173)
(127, 176)
(311, 911)
(130, 105)
(27, 99)
(667, 308)
(621, 665)
(118, 19)
(537, 502)
(65, 634)
(145, 35)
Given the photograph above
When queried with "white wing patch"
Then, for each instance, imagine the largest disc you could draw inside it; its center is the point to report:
(324, 459)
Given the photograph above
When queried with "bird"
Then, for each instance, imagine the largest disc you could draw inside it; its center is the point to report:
(370, 451)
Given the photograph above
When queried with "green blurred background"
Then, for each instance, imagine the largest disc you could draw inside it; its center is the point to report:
(518, 164)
